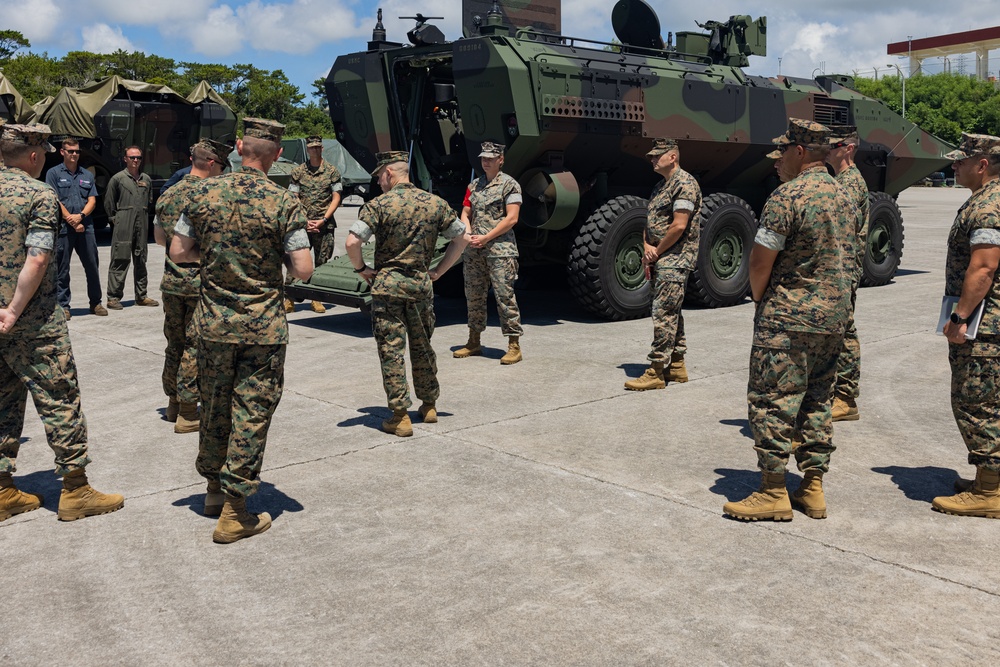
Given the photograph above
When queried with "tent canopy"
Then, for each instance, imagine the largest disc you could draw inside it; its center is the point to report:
(13, 106)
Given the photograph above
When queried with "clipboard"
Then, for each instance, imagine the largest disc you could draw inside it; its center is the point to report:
(948, 304)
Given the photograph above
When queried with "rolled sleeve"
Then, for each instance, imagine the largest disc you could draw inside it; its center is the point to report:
(513, 198)
(338, 187)
(183, 227)
(296, 240)
(454, 230)
(156, 222)
(294, 188)
(683, 205)
(985, 237)
(40, 239)
(770, 239)
(362, 231)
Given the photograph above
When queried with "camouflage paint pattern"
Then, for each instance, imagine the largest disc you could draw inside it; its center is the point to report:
(240, 387)
(315, 190)
(126, 202)
(180, 359)
(848, 383)
(668, 321)
(392, 321)
(489, 201)
(481, 272)
(680, 186)
(177, 280)
(980, 212)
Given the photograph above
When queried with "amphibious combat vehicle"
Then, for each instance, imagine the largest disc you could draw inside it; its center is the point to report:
(577, 117)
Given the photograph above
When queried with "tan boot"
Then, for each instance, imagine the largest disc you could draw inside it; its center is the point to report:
(677, 372)
(770, 501)
(962, 485)
(214, 499)
(289, 306)
(983, 499)
(13, 500)
(809, 496)
(317, 307)
(428, 413)
(473, 348)
(235, 522)
(513, 351)
(173, 407)
(399, 424)
(845, 409)
(651, 379)
(188, 419)
(79, 499)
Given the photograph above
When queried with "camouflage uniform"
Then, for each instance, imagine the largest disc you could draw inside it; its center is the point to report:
(126, 202)
(975, 365)
(670, 273)
(315, 189)
(244, 224)
(496, 264)
(36, 355)
(849, 361)
(406, 222)
(180, 287)
(799, 323)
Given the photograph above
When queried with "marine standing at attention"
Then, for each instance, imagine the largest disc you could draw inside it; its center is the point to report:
(491, 257)
(35, 352)
(406, 223)
(670, 250)
(801, 267)
(843, 145)
(126, 202)
(181, 287)
(241, 227)
(317, 183)
(971, 275)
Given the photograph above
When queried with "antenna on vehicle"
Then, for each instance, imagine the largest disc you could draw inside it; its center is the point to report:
(423, 33)
(378, 34)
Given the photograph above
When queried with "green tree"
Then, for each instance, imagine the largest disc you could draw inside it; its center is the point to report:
(11, 41)
(309, 119)
(34, 75)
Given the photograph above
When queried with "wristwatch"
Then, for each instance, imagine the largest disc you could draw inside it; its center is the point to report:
(955, 319)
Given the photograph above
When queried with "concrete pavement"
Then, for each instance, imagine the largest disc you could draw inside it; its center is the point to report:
(549, 518)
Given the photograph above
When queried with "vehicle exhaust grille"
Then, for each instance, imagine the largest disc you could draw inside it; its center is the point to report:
(568, 106)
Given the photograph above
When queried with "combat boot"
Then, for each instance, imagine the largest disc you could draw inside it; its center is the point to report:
(79, 499)
(983, 499)
(13, 500)
(845, 409)
(651, 379)
(214, 499)
(235, 522)
(964, 485)
(677, 372)
(399, 424)
(770, 501)
(188, 420)
(809, 496)
(428, 413)
(289, 306)
(173, 407)
(513, 351)
(472, 348)
(317, 307)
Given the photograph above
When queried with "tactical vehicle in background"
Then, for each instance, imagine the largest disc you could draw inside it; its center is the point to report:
(578, 116)
(110, 115)
(354, 178)
(13, 108)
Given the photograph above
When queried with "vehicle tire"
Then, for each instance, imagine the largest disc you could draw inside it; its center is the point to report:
(605, 271)
(722, 275)
(884, 249)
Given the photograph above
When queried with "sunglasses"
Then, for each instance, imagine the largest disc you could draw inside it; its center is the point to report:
(71, 152)
(133, 157)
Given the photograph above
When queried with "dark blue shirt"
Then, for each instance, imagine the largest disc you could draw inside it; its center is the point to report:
(73, 190)
(175, 179)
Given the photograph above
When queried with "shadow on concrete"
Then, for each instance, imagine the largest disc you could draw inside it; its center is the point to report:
(45, 482)
(742, 423)
(633, 370)
(735, 484)
(923, 483)
(372, 417)
(267, 499)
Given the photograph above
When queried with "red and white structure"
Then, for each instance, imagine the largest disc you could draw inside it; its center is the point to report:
(979, 42)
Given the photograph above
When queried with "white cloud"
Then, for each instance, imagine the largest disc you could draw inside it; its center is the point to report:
(150, 12)
(102, 38)
(39, 20)
(219, 33)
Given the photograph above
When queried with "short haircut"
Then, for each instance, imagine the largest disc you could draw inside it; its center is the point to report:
(817, 153)
(201, 156)
(70, 141)
(133, 148)
(993, 166)
(400, 168)
(258, 148)
(16, 152)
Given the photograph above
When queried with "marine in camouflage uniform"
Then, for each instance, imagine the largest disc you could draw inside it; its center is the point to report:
(971, 274)
(491, 256)
(126, 202)
(670, 253)
(181, 287)
(35, 351)
(318, 186)
(406, 223)
(240, 226)
(801, 270)
(847, 386)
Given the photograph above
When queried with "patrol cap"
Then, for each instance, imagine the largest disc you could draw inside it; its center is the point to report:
(491, 149)
(31, 134)
(390, 157)
(661, 146)
(803, 132)
(975, 144)
(220, 151)
(262, 128)
(840, 134)
(314, 140)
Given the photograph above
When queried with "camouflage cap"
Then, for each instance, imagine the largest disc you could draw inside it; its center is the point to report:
(31, 134)
(220, 151)
(314, 140)
(491, 149)
(661, 146)
(390, 157)
(843, 133)
(803, 132)
(261, 128)
(975, 144)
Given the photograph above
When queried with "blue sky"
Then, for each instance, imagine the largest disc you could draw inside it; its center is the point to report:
(304, 37)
